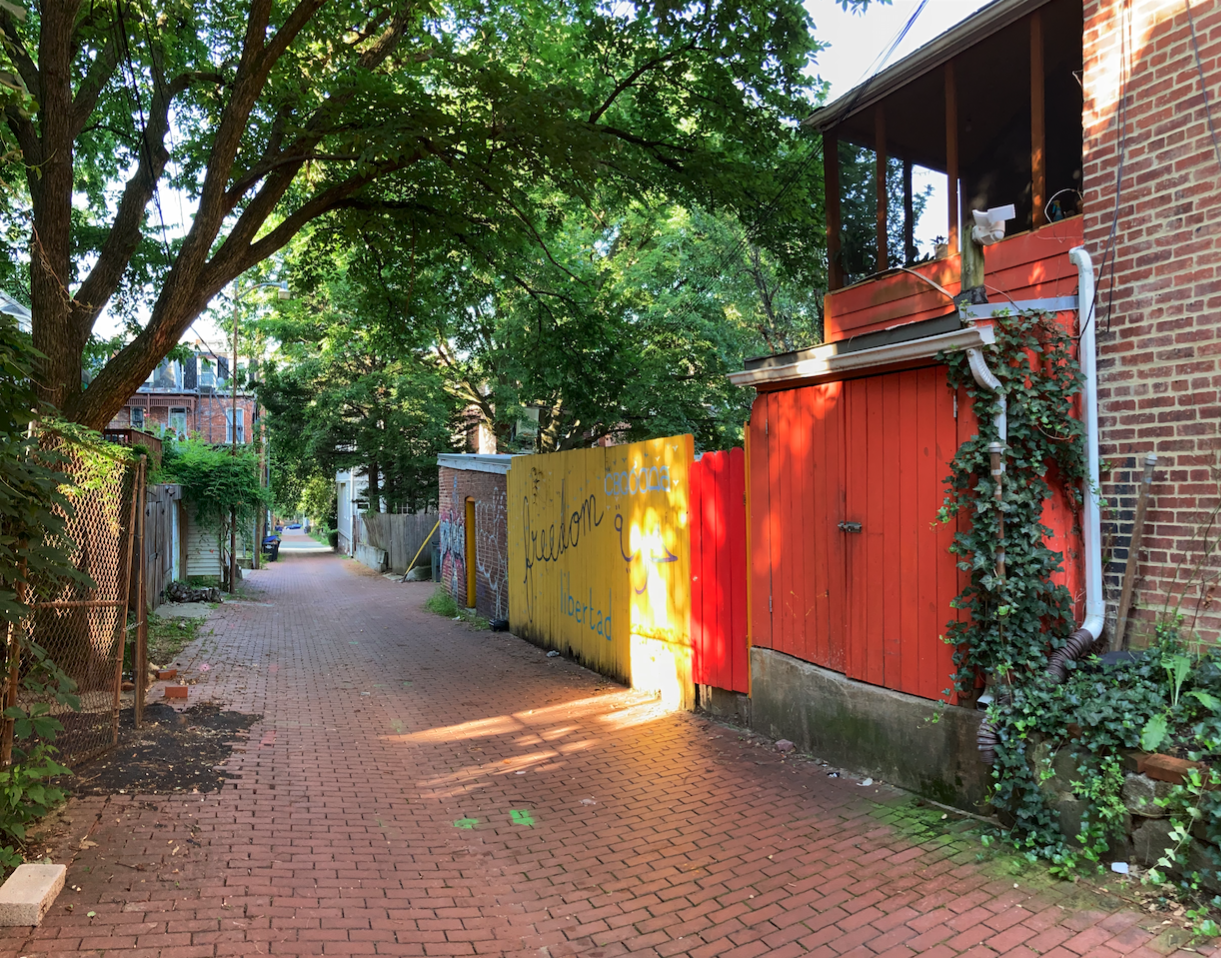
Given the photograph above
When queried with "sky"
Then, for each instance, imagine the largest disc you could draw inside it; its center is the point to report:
(857, 41)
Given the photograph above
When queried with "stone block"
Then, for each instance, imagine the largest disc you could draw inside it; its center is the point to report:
(1150, 840)
(28, 892)
(1140, 793)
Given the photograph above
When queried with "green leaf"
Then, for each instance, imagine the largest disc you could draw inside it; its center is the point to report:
(1154, 733)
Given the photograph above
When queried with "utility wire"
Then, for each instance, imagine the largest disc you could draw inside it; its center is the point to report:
(1208, 110)
(1109, 253)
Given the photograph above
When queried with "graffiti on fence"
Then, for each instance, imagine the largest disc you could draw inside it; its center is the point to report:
(491, 549)
(453, 542)
(614, 594)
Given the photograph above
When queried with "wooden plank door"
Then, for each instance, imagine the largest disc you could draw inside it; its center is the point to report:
(799, 486)
(901, 435)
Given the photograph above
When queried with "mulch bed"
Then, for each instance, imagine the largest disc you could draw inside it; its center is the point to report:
(173, 752)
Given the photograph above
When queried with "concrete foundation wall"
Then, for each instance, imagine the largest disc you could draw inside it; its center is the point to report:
(371, 556)
(868, 729)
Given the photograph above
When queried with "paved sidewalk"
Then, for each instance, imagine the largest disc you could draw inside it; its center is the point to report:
(419, 788)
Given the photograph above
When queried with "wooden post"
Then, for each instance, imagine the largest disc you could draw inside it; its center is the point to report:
(140, 659)
(135, 520)
(1134, 544)
(951, 155)
(879, 149)
(909, 224)
(830, 180)
(1038, 145)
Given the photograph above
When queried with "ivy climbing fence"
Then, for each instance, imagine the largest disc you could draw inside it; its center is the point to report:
(81, 624)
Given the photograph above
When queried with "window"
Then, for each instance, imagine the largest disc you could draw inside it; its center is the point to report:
(178, 421)
(137, 417)
(241, 425)
(207, 375)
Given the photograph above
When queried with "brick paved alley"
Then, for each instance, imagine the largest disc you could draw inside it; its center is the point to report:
(416, 787)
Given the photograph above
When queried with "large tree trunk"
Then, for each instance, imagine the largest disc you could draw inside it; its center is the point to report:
(50, 180)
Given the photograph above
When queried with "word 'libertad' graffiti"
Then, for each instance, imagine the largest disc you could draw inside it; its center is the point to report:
(584, 613)
(634, 481)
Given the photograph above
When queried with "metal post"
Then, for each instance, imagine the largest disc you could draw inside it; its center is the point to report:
(233, 451)
(140, 659)
(14, 672)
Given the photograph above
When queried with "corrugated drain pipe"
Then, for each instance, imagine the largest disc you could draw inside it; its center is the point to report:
(1081, 641)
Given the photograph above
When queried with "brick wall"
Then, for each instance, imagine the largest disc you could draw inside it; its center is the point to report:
(491, 559)
(206, 421)
(1158, 335)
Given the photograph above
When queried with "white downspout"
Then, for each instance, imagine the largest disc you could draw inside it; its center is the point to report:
(986, 378)
(1095, 603)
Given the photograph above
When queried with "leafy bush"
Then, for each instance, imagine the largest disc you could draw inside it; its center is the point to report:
(333, 538)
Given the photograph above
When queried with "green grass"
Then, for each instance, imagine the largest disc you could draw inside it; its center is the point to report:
(167, 637)
(443, 604)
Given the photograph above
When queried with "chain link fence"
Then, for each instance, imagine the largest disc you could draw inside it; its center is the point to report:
(82, 626)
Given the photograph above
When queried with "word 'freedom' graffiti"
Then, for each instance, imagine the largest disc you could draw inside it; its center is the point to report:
(636, 481)
(549, 544)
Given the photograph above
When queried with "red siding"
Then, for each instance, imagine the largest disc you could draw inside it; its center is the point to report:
(1030, 265)
(718, 570)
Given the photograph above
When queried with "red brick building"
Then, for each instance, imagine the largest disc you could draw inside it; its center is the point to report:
(192, 398)
(1152, 175)
(474, 531)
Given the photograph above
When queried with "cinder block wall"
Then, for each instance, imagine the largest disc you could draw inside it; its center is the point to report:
(1159, 302)
(491, 558)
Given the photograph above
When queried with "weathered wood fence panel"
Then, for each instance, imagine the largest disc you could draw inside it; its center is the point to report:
(161, 547)
(399, 535)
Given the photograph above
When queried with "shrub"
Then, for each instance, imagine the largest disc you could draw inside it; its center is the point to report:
(333, 538)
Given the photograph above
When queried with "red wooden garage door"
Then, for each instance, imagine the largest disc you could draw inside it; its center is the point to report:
(872, 604)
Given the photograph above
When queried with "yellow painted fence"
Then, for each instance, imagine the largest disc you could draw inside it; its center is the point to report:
(599, 560)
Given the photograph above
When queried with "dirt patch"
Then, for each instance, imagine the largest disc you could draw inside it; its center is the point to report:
(172, 752)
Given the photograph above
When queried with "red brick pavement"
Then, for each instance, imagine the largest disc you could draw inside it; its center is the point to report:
(600, 825)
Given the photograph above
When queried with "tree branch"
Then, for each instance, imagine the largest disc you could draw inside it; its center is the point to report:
(126, 230)
(100, 71)
(21, 56)
(632, 78)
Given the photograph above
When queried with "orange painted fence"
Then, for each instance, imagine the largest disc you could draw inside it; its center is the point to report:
(718, 571)
(849, 568)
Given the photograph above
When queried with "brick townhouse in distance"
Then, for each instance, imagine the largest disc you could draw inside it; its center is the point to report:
(190, 398)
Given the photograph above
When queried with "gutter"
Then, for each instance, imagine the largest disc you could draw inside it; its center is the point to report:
(829, 361)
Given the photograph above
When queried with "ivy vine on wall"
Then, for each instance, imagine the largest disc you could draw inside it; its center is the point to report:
(1012, 623)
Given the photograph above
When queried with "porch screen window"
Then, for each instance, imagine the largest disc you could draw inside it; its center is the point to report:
(241, 425)
(137, 418)
(178, 421)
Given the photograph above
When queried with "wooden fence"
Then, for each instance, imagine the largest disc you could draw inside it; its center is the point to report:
(161, 550)
(399, 535)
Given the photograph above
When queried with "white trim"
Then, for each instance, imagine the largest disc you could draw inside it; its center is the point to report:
(826, 360)
(1057, 304)
(476, 462)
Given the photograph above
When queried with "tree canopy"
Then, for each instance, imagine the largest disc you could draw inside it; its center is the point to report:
(459, 122)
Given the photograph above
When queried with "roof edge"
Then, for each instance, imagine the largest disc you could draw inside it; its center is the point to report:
(979, 25)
